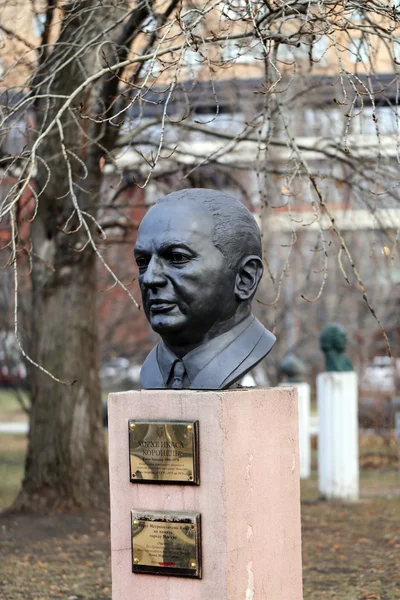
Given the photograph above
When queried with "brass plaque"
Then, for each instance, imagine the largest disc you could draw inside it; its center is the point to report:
(164, 452)
(166, 543)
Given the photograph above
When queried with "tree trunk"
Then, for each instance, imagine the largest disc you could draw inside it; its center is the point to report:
(66, 464)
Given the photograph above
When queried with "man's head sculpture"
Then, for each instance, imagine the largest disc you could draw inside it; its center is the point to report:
(292, 368)
(333, 343)
(200, 262)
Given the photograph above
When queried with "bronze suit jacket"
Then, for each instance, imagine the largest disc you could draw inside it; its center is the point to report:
(231, 362)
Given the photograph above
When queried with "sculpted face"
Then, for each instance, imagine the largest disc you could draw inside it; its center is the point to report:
(333, 337)
(186, 284)
(340, 341)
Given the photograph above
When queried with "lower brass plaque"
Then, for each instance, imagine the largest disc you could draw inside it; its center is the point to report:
(164, 452)
(166, 543)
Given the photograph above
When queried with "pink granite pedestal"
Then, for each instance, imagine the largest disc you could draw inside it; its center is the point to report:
(248, 497)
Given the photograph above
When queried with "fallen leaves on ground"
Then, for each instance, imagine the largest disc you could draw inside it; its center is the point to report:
(350, 551)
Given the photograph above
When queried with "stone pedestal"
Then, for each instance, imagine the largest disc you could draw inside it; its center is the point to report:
(338, 472)
(248, 497)
(303, 392)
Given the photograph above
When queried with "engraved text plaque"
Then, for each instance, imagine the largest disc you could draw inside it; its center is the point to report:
(164, 452)
(166, 543)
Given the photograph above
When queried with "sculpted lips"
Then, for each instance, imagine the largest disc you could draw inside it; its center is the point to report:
(161, 306)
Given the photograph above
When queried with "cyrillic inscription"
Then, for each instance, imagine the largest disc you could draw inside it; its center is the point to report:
(166, 543)
(164, 452)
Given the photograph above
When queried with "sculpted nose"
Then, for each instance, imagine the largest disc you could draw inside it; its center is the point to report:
(154, 274)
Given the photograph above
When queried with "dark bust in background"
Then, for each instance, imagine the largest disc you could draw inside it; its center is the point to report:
(200, 262)
(333, 343)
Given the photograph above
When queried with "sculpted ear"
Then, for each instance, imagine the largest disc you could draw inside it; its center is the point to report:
(249, 273)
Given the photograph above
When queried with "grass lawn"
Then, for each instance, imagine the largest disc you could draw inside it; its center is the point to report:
(12, 456)
(350, 551)
(10, 409)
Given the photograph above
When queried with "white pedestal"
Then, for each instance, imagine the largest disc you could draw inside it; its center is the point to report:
(338, 472)
(303, 391)
(248, 497)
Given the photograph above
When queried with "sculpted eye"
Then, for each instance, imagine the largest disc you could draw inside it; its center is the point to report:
(178, 258)
(142, 263)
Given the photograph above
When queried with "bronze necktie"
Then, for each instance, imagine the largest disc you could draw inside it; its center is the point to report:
(178, 375)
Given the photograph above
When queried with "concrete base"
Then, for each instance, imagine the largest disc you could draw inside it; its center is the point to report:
(338, 471)
(249, 494)
(304, 393)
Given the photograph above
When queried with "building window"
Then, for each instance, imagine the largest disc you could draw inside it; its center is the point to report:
(316, 48)
(193, 60)
(39, 21)
(359, 51)
(242, 51)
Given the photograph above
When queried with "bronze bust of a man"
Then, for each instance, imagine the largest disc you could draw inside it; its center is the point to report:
(200, 262)
(333, 343)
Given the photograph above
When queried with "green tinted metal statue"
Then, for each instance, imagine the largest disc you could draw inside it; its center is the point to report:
(293, 369)
(333, 344)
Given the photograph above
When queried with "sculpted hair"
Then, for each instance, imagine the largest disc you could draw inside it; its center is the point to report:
(236, 233)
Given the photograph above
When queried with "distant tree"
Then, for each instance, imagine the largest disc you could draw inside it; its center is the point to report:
(129, 87)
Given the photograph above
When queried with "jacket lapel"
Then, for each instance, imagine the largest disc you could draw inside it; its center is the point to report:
(264, 345)
(150, 374)
(227, 367)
